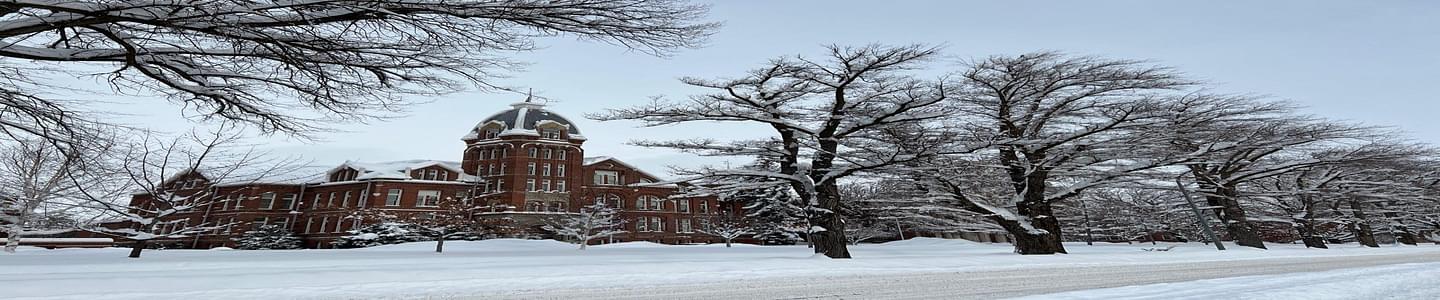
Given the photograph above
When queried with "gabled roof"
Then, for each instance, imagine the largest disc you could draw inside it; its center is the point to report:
(393, 169)
(599, 159)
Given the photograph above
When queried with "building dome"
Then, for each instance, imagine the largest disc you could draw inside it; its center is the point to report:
(522, 119)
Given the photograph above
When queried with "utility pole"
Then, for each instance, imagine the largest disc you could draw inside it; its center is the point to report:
(1200, 217)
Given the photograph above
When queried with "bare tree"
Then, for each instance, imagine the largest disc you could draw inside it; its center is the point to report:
(452, 218)
(172, 179)
(828, 118)
(592, 222)
(34, 185)
(726, 226)
(1034, 120)
(284, 65)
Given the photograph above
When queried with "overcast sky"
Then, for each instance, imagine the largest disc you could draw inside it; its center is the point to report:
(1350, 60)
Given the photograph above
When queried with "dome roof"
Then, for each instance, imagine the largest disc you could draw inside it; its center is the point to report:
(521, 119)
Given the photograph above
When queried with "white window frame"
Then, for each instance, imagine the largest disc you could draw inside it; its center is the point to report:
(392, 197)
(345, 202)
(530, 169)
(529, 185)
(430, 200)
(560, 186)
(267, 200)
(545, 171)
(603, 177)
(683, 205)
(560, 170)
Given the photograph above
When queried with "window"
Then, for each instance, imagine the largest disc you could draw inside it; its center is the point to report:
(607, 177)
(431, 174)
(331, 201)
(337, 224)
(553, 134)
(532, 152)
(648, 203)
(683, 205)
(704, 207)
(429, 199)
(548, 154)
(492, 133)
(499, 185)
(444, 176)
(562, 154)
(255, 225)
(502, 167)
(683, 225)
(239, 200)
(325, 222)
(346, 201)
(289, 201)
(530, 185)
(560, 170)
(393, 199)
(530, 169)
(641, 225)
(494, 153)
(545, 185)
(224, 203)
(612, 198)
(657, 225)
(545, 171)
(492, 170)
(560, 186)
(315, 203)
(309, 224)
(267, 200)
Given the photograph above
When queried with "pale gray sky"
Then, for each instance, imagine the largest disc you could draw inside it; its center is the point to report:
(1363, 61)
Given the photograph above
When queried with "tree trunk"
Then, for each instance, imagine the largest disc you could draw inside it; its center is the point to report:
(1031, 244)
(138, 246)
(440, 245)
(1307, 234)
(727, 243)
(1233, 215)
(1404, 236)
(1363, 233)
(12, 242)
(831, 241)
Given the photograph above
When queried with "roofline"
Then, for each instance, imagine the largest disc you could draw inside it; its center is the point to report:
(623, 163)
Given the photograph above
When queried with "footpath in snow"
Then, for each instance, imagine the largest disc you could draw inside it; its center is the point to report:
(510, 267)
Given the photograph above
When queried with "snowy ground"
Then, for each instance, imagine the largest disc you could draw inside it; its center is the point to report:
(1402, 281)
(547, 269)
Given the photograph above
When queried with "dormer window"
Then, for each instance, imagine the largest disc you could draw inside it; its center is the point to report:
(491, 133)
(553, 134)
(607, 177)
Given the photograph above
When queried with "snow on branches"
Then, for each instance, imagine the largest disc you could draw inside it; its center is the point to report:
(593, 221)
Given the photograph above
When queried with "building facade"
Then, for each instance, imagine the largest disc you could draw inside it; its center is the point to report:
(523, 166)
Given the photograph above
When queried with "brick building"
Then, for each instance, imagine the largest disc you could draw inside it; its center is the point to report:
(522, 165)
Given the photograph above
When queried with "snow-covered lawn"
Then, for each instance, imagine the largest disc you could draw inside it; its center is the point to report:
(1403, 281)
(483, 267)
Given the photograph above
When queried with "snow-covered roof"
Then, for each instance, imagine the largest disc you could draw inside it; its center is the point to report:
(399, 169)
(522, 119)
(598, 159)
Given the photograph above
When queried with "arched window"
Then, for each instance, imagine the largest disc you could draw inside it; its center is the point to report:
(648, 202)
(614, 199)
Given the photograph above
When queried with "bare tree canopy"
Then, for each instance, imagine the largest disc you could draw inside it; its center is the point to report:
(829, 116)
(288, 66)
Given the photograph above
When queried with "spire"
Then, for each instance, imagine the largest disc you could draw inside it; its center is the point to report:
(529, 101)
